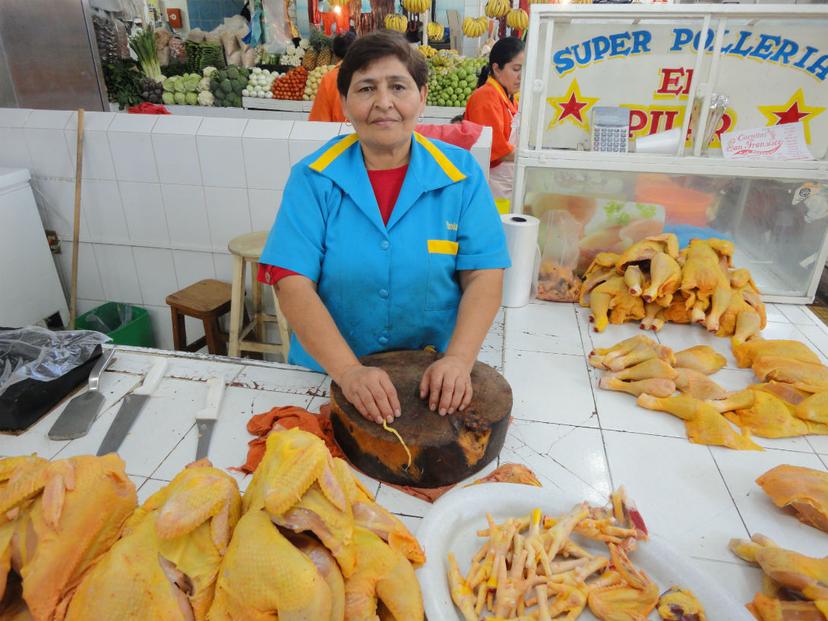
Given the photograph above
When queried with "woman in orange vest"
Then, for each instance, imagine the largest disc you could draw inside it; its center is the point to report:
(493, 104)
(327, 105)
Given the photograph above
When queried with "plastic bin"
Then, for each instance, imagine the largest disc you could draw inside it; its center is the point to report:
(123, 323)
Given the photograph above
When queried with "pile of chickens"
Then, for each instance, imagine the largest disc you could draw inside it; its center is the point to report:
(653, 282)
(791, 400)
(534, 567)
(794, 587)
(74, 547)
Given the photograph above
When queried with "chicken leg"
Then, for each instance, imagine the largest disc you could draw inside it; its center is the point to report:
(654, 368)
(657, 387)
(665, 278)
(701, 358)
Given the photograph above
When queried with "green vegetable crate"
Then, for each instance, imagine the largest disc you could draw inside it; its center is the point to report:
(123, 323)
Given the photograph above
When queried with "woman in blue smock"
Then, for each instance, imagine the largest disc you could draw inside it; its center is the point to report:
(386, 240)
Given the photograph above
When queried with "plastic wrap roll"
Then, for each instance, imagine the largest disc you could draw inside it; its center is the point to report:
(522, 242)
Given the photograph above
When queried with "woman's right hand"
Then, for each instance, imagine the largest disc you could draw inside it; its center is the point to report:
(371, 391)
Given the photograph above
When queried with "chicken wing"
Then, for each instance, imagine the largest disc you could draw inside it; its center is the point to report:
(701, 358)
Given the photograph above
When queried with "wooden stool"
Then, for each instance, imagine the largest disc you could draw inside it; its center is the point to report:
(206, 300)
(247, 249)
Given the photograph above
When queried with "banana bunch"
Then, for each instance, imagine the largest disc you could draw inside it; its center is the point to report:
(474, 26)
(427, 50)
(517, 19)
(497, 8)
(537, 1)
(416, 6)
(395, 21)
(436, 31)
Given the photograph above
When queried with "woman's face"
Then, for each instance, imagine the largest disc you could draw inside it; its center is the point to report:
(383, 103)
(509, 74)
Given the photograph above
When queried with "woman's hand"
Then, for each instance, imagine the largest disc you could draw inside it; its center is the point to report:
(371, 391)
(447, 384)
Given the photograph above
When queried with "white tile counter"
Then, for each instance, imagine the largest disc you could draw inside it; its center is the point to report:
(575, 437)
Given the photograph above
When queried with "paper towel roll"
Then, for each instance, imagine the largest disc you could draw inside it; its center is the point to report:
(522, 242)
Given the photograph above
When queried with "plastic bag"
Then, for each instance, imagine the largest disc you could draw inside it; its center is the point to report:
(40, 354)
(557, 281)
(277, 22)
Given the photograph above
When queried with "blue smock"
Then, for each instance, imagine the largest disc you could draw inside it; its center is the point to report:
(391, 286)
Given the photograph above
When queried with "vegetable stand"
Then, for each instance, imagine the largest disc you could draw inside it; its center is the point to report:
(648, 60)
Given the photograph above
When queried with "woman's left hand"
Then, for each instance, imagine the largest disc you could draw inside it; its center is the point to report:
(447, 385)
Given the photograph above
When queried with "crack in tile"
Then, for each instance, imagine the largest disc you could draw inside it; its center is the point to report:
(729, 493)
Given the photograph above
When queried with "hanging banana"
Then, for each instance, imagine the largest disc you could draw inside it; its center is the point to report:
(395, 21)
(497, 8)
(416, 6)
(436, 31)
(474, 27)
(517, 19)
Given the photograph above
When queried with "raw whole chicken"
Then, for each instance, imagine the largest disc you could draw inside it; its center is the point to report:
(58, 519)
(170, 551)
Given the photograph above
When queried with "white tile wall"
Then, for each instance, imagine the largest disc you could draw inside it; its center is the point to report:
(161, 195)
(186, 216)
(144, 212)
(264, 205)
(227, 213)
(118, 275)
(156, 274)
(101, 207)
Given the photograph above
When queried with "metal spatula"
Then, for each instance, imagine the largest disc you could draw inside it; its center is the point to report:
(79, 414)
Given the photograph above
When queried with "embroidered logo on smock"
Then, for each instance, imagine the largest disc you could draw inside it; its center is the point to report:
(451, 226)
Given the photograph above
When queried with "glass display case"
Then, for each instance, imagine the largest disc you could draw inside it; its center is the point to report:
(671, 66)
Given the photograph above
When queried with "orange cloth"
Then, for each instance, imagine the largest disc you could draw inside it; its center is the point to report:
(327, 105)
(489, 105)
(289, 416)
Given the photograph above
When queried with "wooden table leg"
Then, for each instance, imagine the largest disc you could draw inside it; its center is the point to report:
(179, 330)
(236, 306)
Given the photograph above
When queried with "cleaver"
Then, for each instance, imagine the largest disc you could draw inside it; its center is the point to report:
(206, 418)
(79, 414)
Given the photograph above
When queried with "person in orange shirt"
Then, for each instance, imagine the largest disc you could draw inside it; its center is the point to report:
(327, 105)
(493, 104)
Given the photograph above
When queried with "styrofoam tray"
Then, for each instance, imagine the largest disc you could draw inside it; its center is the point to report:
(453, 521)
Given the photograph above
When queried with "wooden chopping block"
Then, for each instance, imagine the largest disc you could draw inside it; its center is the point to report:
(444, 449)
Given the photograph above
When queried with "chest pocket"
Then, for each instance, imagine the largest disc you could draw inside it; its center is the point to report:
(443, 291)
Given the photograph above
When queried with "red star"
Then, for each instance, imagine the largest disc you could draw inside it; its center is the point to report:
(791, 115)
(572, 107)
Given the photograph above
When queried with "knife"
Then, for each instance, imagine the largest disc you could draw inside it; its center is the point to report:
(79, 414)
(206, 418)
(131, 407)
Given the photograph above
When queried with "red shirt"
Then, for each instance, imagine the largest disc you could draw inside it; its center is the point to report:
(386, 185)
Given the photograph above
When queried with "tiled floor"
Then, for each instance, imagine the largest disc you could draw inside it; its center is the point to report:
(574, 436)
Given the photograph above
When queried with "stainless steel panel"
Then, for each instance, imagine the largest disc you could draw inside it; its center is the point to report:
(48, 54)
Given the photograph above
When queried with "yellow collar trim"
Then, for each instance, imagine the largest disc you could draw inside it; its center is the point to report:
(501, 91)
(324, 160)
(439, 157)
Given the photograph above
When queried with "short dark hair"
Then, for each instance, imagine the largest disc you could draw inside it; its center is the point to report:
(381, 44)
(342, 42)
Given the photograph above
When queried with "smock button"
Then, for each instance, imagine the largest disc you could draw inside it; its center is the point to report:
(383, 293)
(383, 340)
(385, 244)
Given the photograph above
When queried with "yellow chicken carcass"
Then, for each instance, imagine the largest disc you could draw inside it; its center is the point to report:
(294, 460)
(799, 573)
(765, 608)
(611, 302)
(327, 567)
(739, 320)
(61, 517)
(803, 490)
(648, 248)
(808, 377)
(383, 574)
(746, 353)
(704, 424)
(665, 279)
(630, 352)
(264, 577)
(601, 269)
(702, 274)
(701, 358)
(171, 551)
(768, 417)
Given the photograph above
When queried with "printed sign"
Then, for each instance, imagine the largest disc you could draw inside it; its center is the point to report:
(780, 142)
(773, 72)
